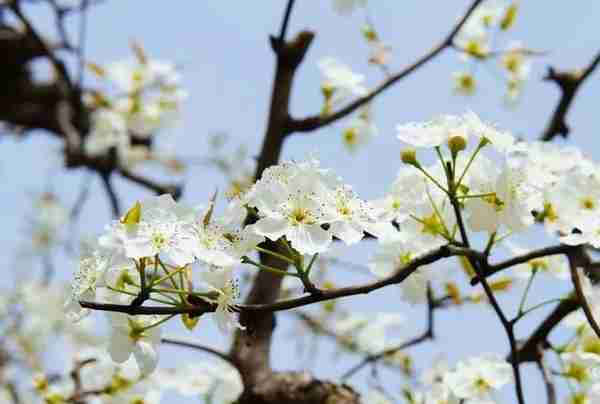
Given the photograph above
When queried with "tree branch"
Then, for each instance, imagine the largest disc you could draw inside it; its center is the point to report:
(195, 345)
(196, 310)
(492, 269)
(568, 83)
(426, 335)
(318, 121)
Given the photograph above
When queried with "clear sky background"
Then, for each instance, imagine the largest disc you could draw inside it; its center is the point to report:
(227, 66)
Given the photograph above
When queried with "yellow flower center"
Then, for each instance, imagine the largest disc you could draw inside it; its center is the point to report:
(158, 240)
(496, 202)
(432, 225)
(350, 136)
(588, 203)
(482, 385)
(301, 216)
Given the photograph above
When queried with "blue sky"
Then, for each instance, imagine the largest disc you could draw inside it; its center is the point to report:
(227, 66)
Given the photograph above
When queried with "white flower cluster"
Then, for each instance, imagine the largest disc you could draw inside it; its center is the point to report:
(479, 184)
(154, 248)
(491, 18)
(339, 84)
(148, 98)
(473, 381)
(109, 383)
(500, 187)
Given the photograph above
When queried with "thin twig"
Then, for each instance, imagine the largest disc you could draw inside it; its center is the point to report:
(426, 335)
(111, 194)
(195, 345)
(286, 20)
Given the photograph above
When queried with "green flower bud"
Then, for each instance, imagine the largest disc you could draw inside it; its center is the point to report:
(457, 144)
(409, 156)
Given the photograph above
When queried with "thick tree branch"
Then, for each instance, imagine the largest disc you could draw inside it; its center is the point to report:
(318, 121)
(251, 348)
(568, 83)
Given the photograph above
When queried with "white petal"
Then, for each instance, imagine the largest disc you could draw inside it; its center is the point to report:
(271, 228)
(146, 356)
(309, 239)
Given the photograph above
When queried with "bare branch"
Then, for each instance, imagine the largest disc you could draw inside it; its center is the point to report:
(318, 121)
(521, 259)
(111, 194)
(568, 82)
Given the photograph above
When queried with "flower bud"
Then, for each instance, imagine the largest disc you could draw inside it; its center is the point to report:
(327, 91)
(409, 156)
(509, 18)
(456, 144)
(369, 33)
(40, 382)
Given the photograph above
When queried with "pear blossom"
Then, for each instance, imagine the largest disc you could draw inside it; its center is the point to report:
(293, 207)
(508, 201)
(164, 228)
(477, 377)
(137, 336)
(351, 216)
(92, 266)
(464, 83)
(359, 131)
(135, 75)
(441, 129)
(340, 80)
(584, 367)
(220, 281)
(224, 240)
(108, 130)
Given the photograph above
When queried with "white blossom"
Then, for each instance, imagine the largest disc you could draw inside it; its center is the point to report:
(137, 336)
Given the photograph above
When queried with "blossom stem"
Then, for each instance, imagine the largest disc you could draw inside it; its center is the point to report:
(430, 177)
(537, 306)
(310, 264)
(476, 195)
(178, 291)
(159, 322)
(479, 147)
(246, 260)
(169, 275)
(274, 254)
(526, 292)
(154, 299)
